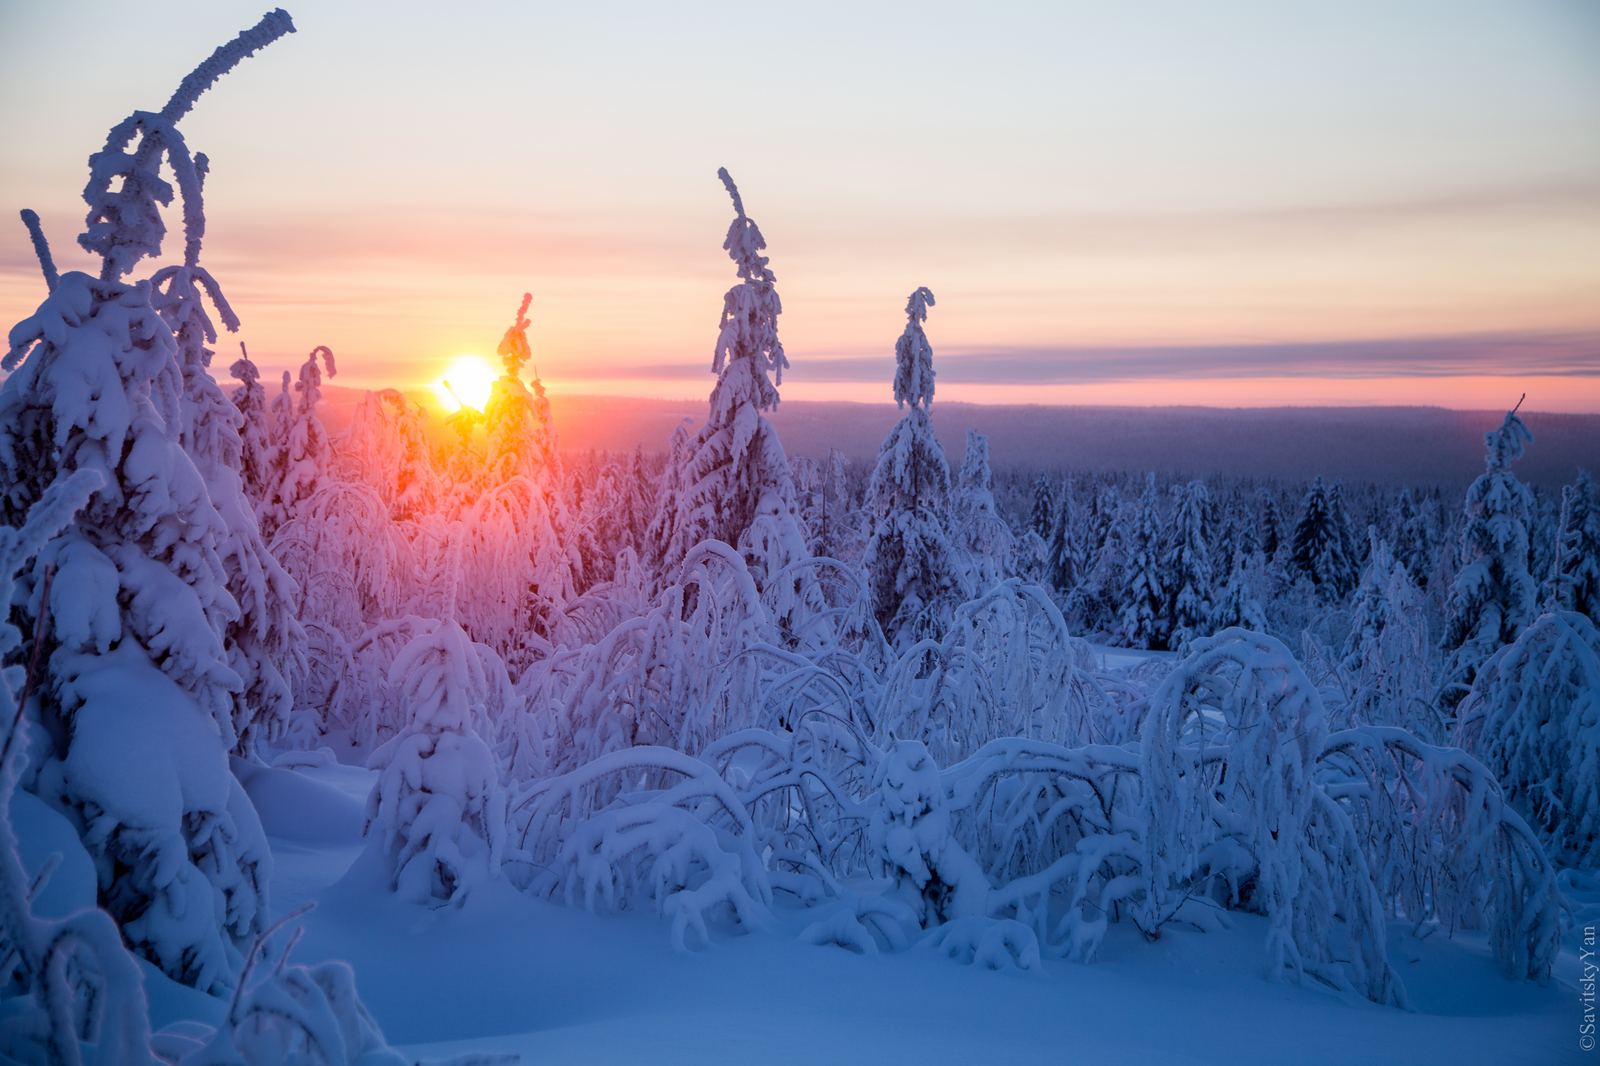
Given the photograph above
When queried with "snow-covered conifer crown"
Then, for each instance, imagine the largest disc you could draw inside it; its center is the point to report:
(913, 355)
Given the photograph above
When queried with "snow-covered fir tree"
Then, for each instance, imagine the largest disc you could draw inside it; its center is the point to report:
(136, 700)
(980, 531)
(1187, 563)
(1042, 516)
(1579, 578)
(264, 641)
(733, 482)
(302, 457)
(1144, 596)
(255, 431)
(1388, 656)
(1237, 603)
(1413, 543)
(1061, 567)
(1270, 532)
(1494, 596)
(1317, 549)
(1345, 564)
(914, 572)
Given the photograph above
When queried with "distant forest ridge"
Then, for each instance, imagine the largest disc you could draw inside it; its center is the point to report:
(1383, 445)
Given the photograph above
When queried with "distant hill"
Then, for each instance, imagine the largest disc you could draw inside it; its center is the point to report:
(1387, 445)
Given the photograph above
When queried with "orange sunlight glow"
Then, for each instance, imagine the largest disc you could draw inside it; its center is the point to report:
(468, 380)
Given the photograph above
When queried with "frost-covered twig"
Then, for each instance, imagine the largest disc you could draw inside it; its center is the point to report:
(41, 248)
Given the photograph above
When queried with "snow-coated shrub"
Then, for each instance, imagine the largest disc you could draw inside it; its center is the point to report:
(386, 447)
(1041, 819)
(438, 808)
(1533, 717)
(678, 677)
(1007, 667)
(989, 943)
(1444, 845)
(1231, 808)
(618, 832)
(910, 832)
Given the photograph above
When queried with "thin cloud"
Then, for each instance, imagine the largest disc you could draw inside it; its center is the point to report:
(1526, 355)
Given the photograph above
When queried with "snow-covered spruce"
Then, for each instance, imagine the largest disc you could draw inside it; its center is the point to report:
(916, 574)
(1494, 596)
(301, 461)
(1578, 582)
(732, 481)
(255, 432)
(1318, 548)
(69, 981)
(1143, 594)
(1188, 565)
(137, 706)
(979, 530)
(438, 811)
(265, 642)
(138, 580)
(520, 439)
(1388, 656)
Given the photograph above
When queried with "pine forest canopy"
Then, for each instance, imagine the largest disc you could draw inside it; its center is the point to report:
(717, 680)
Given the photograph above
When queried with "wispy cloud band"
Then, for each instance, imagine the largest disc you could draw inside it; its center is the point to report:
(1499, 355)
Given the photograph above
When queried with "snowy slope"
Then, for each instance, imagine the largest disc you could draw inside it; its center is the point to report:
(558, 985)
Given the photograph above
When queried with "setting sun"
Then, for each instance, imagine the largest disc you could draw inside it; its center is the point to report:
(469, 378)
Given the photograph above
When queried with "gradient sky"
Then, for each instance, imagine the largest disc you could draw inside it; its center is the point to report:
(1223, 203)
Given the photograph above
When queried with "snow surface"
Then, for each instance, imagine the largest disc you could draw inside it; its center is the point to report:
(510, 973)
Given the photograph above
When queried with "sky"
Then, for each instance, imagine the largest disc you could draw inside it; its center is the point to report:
(1231, 203)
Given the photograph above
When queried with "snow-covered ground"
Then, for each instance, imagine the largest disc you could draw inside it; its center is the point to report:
(507, 973)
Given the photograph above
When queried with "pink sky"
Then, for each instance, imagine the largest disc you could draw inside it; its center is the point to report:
(1418, 189)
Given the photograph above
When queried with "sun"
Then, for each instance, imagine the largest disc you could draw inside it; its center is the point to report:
(470, 378)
